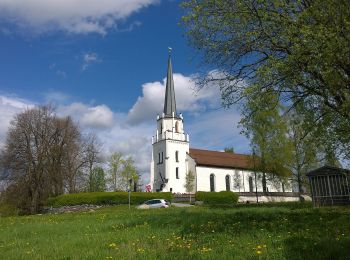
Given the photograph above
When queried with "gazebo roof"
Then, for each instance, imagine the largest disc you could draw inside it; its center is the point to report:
(327, 170)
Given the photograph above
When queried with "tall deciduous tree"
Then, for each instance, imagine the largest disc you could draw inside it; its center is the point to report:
(43, 155)
(121, 170)
(263, 124)
(189, 182)
(128, 173)
(97, 180)
(304, 146)
(114, 169)
(296, 49)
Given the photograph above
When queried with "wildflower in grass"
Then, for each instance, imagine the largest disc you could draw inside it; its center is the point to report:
(112, 245)
(258, 252)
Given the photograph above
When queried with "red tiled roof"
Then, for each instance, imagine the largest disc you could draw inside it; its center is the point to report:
(221, 159)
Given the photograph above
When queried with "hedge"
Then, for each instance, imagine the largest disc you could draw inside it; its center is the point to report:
(105, 198)
(217, 198)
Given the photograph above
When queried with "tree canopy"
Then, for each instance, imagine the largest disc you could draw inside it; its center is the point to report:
(297, 50)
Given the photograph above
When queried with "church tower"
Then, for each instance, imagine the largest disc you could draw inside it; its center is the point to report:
(170, 145)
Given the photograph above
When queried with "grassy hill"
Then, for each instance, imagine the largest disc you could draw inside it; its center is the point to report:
(264, 232)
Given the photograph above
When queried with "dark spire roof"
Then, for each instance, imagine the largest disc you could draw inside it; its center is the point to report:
(169, 102)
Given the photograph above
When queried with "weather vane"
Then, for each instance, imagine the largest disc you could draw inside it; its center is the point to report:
(170, 50)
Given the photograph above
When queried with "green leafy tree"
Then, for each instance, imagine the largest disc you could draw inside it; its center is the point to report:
(229, 150)
(128, 173)
(189, 182)
(304, 146)
(97, 180)
(267, 130)
(297, 49)
(114, 168)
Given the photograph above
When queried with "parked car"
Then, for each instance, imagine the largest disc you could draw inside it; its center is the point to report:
(155, 203)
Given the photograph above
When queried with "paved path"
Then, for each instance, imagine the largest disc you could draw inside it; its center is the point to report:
(181, 205)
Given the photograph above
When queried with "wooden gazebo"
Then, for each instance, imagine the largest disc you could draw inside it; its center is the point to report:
(329, 186)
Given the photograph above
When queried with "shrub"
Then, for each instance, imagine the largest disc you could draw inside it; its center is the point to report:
(105, 198)
(217, 198)
(8, 210)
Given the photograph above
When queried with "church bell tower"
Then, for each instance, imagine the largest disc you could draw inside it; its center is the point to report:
(170, 144)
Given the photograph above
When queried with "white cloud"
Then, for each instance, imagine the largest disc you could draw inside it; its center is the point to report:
(188, 99)
(88, 59)
(96, 117)
(73, 16)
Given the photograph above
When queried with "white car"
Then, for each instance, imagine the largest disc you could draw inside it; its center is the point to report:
(155, 203)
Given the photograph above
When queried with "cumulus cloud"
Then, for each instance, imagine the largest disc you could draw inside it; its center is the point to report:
(73, 16)
(97, 117)
(188, 99)
(88, 59)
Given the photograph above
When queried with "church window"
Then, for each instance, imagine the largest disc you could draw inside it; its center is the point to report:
(227, 181)
(177, 156)
(177, 127)
(251, 188)
(162, 157)
(212, 182)
(177, 173)
(158, 158)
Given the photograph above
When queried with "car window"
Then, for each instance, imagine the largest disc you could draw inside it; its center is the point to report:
(148, 202)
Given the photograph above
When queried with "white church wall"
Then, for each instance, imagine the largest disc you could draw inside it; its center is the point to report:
(176, 183)
(239, 180)
(252, 199)
(158, 164)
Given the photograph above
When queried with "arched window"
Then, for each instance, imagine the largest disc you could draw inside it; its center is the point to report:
(212, 182)
(177, 156)
(251, 187)
(177, 127)
(227, 181)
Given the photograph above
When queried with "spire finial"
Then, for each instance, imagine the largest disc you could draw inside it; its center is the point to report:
(170, 50)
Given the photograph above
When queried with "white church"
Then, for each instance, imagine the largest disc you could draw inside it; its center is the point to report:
(172, 158)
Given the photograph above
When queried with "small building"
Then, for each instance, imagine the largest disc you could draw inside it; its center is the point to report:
(329, 186)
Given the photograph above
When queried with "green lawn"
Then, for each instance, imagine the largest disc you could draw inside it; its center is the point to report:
(281, 232)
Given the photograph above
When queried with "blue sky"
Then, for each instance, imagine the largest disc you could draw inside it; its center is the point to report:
(105, 64)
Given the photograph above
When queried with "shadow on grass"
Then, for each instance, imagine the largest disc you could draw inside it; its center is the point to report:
(297, 247)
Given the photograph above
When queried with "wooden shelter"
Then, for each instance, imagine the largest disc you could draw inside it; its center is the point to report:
(329, 186)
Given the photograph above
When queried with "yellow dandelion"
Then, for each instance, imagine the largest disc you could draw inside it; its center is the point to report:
(258, 252)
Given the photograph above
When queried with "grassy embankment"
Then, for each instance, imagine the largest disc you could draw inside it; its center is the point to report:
(264, 232)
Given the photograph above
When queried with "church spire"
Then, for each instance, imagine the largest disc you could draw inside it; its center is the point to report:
(169, 102)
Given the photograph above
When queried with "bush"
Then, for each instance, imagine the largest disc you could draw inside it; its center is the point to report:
(8, 210)
(105, 198)
(217, 198)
